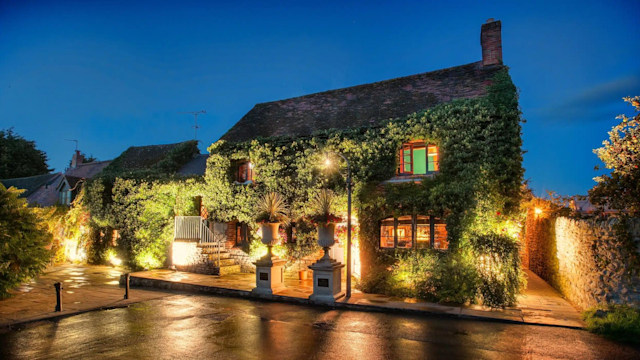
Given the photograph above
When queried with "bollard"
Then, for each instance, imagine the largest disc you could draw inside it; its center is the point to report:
(126, 286)
(58, 287)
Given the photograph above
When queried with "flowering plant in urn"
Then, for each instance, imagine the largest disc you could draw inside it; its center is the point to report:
(272, 210)
(323, 218)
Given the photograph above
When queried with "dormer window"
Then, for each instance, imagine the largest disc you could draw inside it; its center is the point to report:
(244, 172)
(418, 158)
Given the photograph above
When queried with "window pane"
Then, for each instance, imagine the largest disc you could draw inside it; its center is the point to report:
(433, 158)
(419, 160)
(406, 158)
(440, 238)
(386, 233)
(423, 236)
(404, 231)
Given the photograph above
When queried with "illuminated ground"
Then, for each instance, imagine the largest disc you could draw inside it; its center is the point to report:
(183, 326)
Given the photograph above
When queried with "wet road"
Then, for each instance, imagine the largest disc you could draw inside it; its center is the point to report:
(204, 327)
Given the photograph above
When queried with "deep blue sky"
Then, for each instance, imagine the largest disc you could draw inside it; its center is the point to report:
(116, 74)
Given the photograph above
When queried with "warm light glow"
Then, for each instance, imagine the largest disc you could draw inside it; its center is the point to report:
(327, 162)
(182, 252)
(355, 260)
(537, 211)
(112, 258)
(115, 261)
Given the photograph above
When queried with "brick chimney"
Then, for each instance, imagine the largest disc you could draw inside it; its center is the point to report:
(77, 159)
(491, 41)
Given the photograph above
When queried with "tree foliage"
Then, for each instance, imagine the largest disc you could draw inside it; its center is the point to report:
(621, 153)
(19, 157)
(23, 241)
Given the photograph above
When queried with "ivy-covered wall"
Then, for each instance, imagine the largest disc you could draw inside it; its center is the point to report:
(477, 189)
(138, 196)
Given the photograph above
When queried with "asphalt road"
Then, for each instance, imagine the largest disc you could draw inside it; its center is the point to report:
(206, 327)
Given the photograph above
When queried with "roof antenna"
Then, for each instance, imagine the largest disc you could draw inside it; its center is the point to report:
(195, 121)
(76, 141)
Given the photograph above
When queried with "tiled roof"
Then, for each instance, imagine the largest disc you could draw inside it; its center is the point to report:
(363, 105)
(40, 190)
(141, 157)
(32, 183)
(196, 166)
(87, 170)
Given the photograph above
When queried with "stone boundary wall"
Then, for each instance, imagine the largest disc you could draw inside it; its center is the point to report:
(586, 260)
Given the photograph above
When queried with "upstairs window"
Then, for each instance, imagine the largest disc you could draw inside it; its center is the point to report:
(418, 158)
(245, 172)
(417, 231)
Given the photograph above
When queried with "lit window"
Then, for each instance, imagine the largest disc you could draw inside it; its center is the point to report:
(417, 231)
(386, 233)
(404, 229)
(418, 158)
(245, 172)
(423, 232)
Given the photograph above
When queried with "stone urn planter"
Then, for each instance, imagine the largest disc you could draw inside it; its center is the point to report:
(326, 237)
(270, 235)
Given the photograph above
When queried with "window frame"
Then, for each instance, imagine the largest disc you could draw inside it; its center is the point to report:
(244, 167)
(411, 146)
(432, 221)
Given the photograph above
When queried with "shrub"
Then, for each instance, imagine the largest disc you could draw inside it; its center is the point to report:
(497, 261)
(23, 241)
(454, 279)
(617, 322)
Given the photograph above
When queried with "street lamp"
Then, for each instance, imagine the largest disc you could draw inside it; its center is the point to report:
(327, 162)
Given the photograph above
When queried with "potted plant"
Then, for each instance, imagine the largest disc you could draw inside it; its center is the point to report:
(272, 210)
(324, 219)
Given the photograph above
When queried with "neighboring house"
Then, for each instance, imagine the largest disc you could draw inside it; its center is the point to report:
(40, 190)
(77, 173)
(58, 188)
(370, 106)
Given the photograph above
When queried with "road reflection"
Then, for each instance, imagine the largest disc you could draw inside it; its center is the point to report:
(199, 327)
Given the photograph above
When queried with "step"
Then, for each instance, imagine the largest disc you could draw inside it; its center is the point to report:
(223, 262)
(214, 256)
(212, 249)
(231, 269)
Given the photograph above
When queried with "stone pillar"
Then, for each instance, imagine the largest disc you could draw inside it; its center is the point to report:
(327, 281)
(269, 276)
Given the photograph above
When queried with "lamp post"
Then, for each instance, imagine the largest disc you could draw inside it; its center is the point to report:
(348, 294)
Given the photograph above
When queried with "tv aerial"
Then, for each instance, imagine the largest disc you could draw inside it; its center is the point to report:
(195, 121)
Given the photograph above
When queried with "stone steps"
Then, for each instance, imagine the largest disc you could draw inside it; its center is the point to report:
(227, 264)
(230, 269)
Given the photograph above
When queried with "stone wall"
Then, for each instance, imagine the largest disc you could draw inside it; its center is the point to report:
(586, 260)
(243, 259)
(191, 257)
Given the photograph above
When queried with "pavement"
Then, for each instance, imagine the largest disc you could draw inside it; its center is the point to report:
(87, 288)
(84, 288)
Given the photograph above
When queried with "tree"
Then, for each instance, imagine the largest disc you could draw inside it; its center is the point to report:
(621, 153)
(23, 241)
(19, 157)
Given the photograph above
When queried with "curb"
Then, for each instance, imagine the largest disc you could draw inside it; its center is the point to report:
(212, 290)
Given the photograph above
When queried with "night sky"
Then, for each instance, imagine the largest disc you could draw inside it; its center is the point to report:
(119, 74)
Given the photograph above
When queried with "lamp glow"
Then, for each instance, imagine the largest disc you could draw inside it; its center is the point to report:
(537, 211)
